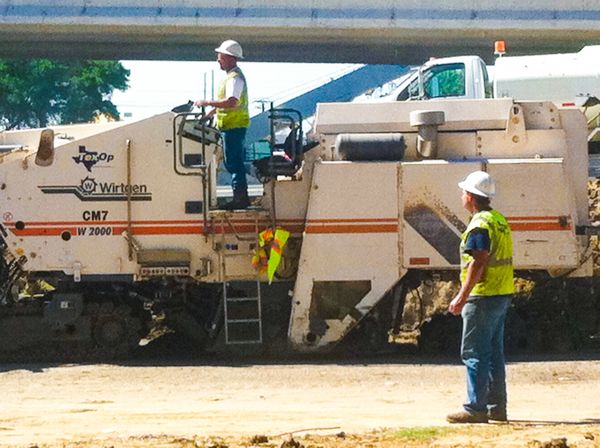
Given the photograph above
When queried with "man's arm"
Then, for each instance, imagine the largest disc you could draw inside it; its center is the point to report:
(233, 92)
(229, 103)
(225, 104)
(474, 274)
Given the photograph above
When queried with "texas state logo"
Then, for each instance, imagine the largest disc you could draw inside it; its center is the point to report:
(91, 159)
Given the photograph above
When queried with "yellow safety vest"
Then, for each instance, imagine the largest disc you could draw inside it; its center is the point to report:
(275, 242)
(279, 239)
(235, 117)
(497, 277)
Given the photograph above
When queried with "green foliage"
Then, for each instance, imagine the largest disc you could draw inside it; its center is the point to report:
(35, 93)
(447, 80)
(422, 433)
(440, 81)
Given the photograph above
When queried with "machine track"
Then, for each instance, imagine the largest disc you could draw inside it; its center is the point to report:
(103, 332)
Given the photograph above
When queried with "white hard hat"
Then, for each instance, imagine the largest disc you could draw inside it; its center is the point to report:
(479, 183)
(232, 48)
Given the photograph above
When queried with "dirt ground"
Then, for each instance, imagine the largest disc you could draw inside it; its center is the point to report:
(371, 403)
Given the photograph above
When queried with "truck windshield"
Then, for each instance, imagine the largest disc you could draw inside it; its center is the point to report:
(439, 81)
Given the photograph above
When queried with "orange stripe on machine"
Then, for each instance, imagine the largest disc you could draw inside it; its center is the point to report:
(540, 223)
(314, 226)
(359, 225)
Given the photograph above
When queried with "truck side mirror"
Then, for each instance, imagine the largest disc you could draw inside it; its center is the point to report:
(45, 152)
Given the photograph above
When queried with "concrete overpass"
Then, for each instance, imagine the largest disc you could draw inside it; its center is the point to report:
(372, 31)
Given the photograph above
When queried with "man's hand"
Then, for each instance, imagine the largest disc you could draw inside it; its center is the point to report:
(457, 304)
(202, 103)
(229, 103)
(474, 274)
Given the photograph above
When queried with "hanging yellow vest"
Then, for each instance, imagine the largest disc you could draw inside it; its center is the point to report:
(235, 117)
(275, 241)
(260, 259)
(279, 240)
(497, 278)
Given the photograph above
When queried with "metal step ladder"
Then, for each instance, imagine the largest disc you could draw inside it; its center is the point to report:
(242, 313)
(241, 297)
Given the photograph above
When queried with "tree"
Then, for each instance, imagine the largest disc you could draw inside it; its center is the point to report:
(36, 93)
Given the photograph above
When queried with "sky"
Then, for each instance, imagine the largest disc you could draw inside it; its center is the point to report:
(158, 86)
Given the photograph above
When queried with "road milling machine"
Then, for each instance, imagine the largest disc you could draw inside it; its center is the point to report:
(118, 223)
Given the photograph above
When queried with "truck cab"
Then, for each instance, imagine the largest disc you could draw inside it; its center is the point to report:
(464, 77)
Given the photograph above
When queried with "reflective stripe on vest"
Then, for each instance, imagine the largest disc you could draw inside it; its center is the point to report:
(235, 117)
(497, 278)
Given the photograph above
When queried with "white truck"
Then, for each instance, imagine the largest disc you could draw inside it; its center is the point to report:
(570, 79)
(566, 79)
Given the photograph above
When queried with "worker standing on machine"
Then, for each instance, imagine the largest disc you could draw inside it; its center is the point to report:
(233, 119)
(486, 291)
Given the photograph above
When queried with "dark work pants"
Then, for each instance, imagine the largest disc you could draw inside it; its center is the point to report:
(235, 153)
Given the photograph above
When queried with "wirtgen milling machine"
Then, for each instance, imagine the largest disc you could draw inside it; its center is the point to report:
(122, 220)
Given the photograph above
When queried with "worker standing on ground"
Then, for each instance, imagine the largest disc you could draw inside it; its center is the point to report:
(486, 291)
(233, 119)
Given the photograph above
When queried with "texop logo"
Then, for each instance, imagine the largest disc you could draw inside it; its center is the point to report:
(91, 158)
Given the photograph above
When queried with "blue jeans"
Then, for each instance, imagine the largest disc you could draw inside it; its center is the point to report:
(482, 352)
(235, 153)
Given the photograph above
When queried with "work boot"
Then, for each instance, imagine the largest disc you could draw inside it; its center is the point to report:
(467, 417)
(240, 201)
(497, 415)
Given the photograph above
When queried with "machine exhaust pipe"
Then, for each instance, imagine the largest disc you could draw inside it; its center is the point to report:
(45, 152)
(427, 122)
